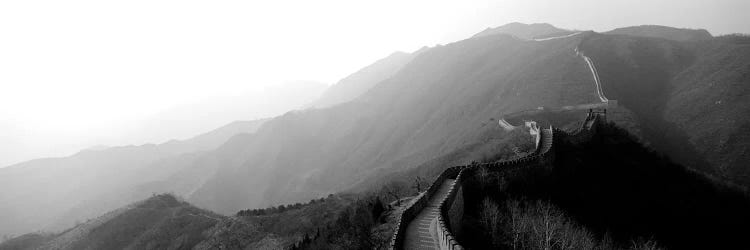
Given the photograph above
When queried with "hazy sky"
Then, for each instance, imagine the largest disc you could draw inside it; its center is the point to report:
(73, 71)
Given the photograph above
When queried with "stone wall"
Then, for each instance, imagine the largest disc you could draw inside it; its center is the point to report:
(417, 204)
(446, 239)
(452, 205)
(456, 210)
(583, 134)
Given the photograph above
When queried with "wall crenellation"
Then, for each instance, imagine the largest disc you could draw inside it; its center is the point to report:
(451, 206)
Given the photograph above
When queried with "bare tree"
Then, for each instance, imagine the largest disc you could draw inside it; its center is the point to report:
(395, 190)
(516, 222)
(489, 217)
(483, 175)
(549, 225)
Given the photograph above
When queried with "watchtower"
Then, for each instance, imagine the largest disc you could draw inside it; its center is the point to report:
(601, 112)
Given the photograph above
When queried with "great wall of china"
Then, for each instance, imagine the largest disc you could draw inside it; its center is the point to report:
(432, 219)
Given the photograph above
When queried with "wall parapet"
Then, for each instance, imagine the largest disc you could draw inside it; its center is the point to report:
(543, 156)
(446, 239)
(416, 206)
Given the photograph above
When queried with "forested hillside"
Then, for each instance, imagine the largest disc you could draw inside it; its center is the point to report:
(420, 113)
(690, 98)
(611, 192)
(397, 125)
(165, 221)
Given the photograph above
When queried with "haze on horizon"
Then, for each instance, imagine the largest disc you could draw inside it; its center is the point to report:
(81, 73)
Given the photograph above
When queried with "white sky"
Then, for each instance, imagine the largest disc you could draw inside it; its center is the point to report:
(76, 69)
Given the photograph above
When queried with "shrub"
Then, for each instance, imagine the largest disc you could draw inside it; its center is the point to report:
(525, 224)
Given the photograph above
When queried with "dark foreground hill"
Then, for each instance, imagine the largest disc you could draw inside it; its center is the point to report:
(160, 222)
(166, 222)
(690, 99)
(610, 192)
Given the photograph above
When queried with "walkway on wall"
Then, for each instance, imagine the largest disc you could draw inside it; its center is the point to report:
(594, 74)
(420, 234)
(556, 37)
(422, 225)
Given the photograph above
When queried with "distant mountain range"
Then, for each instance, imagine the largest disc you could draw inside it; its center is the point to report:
(259, 101)
(681, 91)
(55, 193)
(183, 121)
(166, 222)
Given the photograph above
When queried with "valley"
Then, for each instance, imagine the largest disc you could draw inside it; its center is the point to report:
(410, 152)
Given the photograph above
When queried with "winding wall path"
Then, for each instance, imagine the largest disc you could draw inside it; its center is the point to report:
(421, 234)
(595, 74)
(426, 222)
(589, 62)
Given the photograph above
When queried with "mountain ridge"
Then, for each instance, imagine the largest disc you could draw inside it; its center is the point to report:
(364, 79)
(92, 177)
(524, 31)
(399, 105)
(445, 103)
(670, 33)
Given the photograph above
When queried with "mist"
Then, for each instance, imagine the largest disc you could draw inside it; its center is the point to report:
(22, 141)
(78, 74)
(372, 124)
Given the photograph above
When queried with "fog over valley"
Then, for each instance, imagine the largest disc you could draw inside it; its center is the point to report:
(80, 74)
(333, 124)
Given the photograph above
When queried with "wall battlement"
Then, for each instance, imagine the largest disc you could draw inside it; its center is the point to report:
(451, 206)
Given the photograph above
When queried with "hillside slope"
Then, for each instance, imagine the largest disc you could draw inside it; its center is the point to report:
(446, 97)
(690, 98)
(363, 80)
(54, 193)
(685, 99)
(611, 189)
(160, 222)
(675, 34)
(166, 222)
(440, 101)
(257, 101)
(525, 31)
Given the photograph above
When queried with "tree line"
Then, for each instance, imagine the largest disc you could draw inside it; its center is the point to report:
(279, 208)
